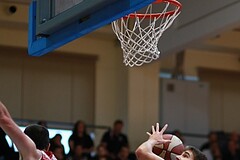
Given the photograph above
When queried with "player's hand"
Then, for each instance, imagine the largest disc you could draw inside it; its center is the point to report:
(157, 136)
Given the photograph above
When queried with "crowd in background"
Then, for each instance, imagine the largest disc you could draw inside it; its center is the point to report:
(219, 145)
(222, 146)
(114, 145)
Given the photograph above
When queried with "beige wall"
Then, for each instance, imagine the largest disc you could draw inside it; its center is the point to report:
(224, 98)
(52, 88)
(143, 101)
(209, 59)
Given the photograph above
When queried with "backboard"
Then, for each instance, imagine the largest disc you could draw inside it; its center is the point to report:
(54, 23)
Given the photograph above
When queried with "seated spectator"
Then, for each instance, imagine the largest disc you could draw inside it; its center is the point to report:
(101, 153)
(214, 152)
(55, 142)
(125, 154)
(212, 137)
(82, 138)
(234, 136)
(78, 153)
(59, 153)
(232, 151)
(114, 139)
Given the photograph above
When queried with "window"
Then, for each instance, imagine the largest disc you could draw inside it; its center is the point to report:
(52, 132)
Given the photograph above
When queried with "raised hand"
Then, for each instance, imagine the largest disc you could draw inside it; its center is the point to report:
(157, 136)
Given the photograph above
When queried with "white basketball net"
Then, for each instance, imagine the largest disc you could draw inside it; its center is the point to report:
(140, 42)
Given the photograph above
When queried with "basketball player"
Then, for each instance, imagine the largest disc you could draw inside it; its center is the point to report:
(144, 151)
(33, 144)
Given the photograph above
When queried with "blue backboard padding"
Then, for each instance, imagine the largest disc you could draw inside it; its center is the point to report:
(38, 46)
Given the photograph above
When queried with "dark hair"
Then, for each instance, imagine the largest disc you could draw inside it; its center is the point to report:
(197, 154)
(57, 135)
(75, 128)
(39, 135)
(42, 123)
(118, 121)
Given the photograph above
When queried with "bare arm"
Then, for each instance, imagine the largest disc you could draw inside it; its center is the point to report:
(24, 144)
(144, 151)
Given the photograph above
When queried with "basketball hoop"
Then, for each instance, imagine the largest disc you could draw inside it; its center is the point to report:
(139, 32)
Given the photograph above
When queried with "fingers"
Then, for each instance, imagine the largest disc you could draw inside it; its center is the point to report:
(157, 127)
(167, 141)
(153, 129)
(164, 128)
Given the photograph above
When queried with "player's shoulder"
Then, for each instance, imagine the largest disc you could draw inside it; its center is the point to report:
(31, 156)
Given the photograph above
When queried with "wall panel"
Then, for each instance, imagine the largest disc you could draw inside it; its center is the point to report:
(55, 87)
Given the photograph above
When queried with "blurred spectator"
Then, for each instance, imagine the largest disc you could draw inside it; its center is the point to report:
(114, 139)
(234, 136)
(59, 153)
(78, 153)
(82, 138)
(212, 137)
(232, 151)
(55, 142)
(125, 154)
(101, 153)
(214, 152)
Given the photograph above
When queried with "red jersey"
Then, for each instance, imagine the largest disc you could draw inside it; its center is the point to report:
(48, 156)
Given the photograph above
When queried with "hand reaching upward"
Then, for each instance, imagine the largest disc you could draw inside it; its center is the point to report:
(157, 135)
(144, 151)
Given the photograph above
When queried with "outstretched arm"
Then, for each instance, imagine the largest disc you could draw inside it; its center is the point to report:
(144, 151)
(24, 144)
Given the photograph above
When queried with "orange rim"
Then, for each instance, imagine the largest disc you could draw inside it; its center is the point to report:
(154, 15)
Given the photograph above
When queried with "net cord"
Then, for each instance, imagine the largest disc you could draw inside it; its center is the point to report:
(140, 43)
